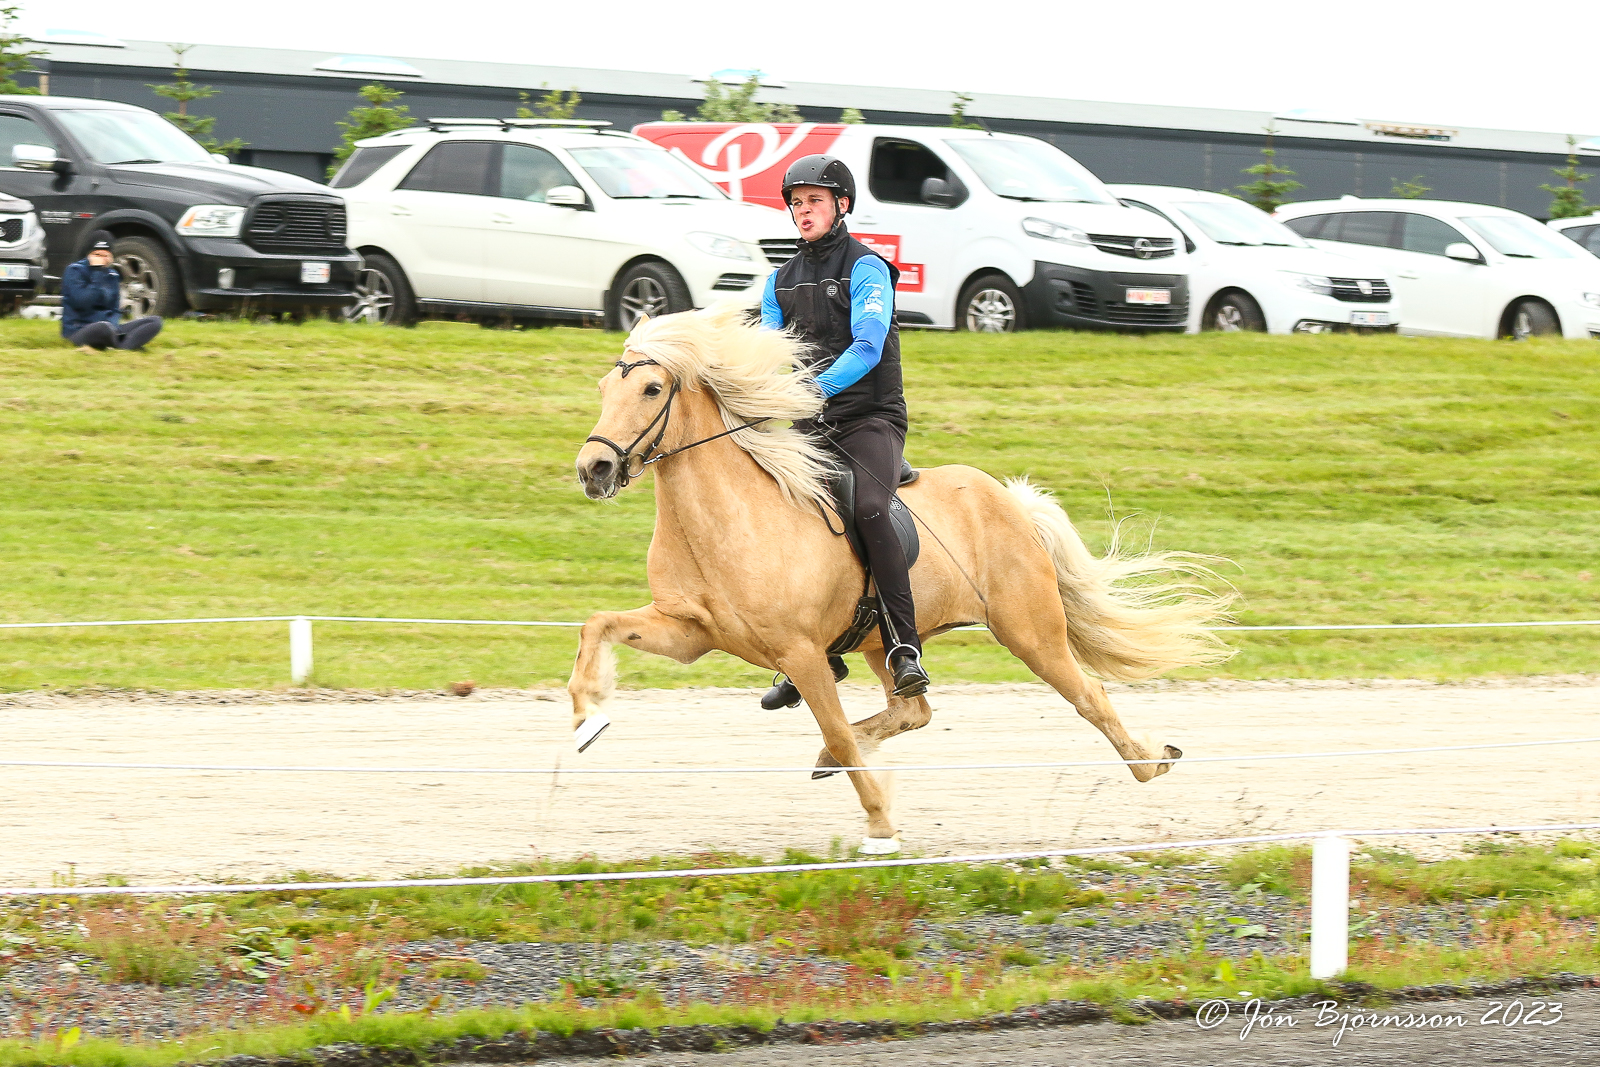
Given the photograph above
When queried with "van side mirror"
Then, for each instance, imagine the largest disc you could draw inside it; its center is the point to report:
(939, 193)
(1463, 251)
(34, 157)
(566, 196)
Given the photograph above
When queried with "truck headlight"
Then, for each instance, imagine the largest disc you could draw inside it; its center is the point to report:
(1054, 231)
(1589, 300)
(1316, 283)
(211, 220)
(715, 244)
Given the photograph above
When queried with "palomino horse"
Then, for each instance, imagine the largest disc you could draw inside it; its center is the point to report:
(744, 558)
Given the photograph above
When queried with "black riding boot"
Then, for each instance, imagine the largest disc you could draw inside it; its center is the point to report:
(784, 694)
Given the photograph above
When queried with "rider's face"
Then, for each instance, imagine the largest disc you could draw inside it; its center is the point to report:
(100, 258)
(812, 208)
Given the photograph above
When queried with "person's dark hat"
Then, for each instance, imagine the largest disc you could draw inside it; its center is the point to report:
(826, 171)
(100, 246)
(100, 241)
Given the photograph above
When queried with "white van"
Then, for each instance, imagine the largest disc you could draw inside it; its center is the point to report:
(991, 232)
(508, 219)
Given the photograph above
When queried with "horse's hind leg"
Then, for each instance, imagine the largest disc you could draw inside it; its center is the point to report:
(647, 629)
(1038, 637)
(900, 716)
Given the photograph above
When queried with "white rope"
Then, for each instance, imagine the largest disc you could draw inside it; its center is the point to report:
(558, 770)
(517, 622)
(776, 868)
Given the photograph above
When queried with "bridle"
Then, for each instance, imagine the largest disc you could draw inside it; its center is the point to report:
(627, 473)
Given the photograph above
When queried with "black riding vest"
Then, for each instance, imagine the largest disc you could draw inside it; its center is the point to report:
(813, 291)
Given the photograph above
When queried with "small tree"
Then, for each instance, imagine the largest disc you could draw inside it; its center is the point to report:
(851, 117)
(1566, 201)
(554, 105)
(378, 117)
(15, 57)
(185, 92)
(1273, 183)
(736, 105)
(958, 113)
(1411, 190)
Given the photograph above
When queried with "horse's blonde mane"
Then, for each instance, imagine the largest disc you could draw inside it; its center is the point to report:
(751, 373)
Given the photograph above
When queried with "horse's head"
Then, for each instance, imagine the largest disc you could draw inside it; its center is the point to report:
(636, 401)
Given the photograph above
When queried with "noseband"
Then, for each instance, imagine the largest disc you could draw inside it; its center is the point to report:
(626, 456)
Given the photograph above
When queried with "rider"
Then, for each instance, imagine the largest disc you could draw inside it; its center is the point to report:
(838, 296)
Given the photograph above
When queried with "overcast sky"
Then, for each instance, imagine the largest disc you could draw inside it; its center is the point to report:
(1530, 67)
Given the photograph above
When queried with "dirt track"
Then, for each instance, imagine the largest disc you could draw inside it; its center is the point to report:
(148, 825)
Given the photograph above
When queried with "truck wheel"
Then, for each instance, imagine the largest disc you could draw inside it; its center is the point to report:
(990, 304)
(383, 295)
(1531, 318)
(1233, 312)
(652, 289)
(151, 284)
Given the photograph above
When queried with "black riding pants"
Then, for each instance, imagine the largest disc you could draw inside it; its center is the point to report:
(127, 335)
(873, 449)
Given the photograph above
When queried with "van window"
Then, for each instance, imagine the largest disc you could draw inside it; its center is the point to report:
(1423, 233)
(15, 130)
(364, 163)
(1030, 170)
(453, 167)
(1366, 228)
(900, 167)
(528, 173)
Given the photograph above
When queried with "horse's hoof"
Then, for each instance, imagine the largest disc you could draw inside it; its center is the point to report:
(827, 766)
(1172, 752)
(591, 728)
(880, 846)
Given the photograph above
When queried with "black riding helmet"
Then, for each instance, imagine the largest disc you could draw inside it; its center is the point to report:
(826, 171)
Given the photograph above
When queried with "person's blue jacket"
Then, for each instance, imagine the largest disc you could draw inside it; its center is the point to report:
(89, 294)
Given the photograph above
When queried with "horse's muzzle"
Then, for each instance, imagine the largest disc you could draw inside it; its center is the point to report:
(597, 473)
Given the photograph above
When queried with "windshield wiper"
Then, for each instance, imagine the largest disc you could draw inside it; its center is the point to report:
(120, 162)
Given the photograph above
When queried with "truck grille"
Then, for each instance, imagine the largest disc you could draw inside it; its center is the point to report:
(1147, 314)
(1349, 289)
(780, 250)
(11, 231)
(1134, 247)
(296, 226)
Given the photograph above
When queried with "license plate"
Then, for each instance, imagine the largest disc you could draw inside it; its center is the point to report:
(1369, 318)
(1149, 296)
(14, 272)
(314, 273)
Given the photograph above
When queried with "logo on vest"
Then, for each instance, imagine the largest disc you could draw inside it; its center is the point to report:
(831, 287)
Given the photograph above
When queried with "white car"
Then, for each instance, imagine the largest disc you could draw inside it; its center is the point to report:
(1463, 270)
(1585, 230)
(506, 219)
(1247, 272)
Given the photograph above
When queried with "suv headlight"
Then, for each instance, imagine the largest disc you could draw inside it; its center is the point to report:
(715, 244)
(1589, 300)
(1316, 283)
(1054, 231)
(211, 220)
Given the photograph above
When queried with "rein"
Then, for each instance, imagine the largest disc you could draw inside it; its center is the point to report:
(663, 417)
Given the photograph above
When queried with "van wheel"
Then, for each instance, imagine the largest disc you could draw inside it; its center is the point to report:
(646, 290)
(150, 281)
(990, 304)
(1234, 312)
(1531, 318)
(383, 295)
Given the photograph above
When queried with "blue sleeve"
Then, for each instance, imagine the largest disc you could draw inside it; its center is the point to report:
(771, 313)
(871, 313)
(76, 293)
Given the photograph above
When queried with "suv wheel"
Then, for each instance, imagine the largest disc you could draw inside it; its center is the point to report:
(1531, 318)
(150, 281)
(383, 295)
(646, 289)
(1233, 312)
(990, 304)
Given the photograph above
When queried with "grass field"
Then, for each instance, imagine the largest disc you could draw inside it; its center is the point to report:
(252, 470)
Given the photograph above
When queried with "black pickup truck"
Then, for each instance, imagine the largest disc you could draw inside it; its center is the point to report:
(190, 230)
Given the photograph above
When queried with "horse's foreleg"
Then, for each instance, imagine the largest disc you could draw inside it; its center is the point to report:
(900, 716)
(810, 673)
(647, 629)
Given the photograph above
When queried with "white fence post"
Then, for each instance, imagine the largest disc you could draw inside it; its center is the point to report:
(1330, 906)
(299, 649)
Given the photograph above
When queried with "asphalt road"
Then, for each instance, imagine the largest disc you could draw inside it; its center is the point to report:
(1465, 1033)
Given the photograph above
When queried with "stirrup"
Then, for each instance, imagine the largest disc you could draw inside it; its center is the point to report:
(910, 679)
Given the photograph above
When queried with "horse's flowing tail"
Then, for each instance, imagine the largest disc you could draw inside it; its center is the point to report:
(1119, 626)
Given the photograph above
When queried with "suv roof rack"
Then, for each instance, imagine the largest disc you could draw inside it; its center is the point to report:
(509, 124)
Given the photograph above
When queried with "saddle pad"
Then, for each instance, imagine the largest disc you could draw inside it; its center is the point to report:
(842, 482)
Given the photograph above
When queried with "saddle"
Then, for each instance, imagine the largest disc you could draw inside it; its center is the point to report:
(842, 485)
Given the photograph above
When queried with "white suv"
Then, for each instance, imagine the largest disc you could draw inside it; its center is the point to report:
(506, 219)
(1463, 270)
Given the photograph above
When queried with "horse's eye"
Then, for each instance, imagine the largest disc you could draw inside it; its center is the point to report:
(653, 389)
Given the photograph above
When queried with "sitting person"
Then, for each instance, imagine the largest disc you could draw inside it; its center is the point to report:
(91, 305)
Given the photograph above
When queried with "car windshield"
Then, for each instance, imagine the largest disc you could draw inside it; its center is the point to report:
(634, 172)
(1233, 222)
(1520, 237)
(1030, 170)
(132, 137)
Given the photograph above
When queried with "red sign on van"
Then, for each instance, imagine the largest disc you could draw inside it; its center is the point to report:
(889, 248)
(746, 158)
